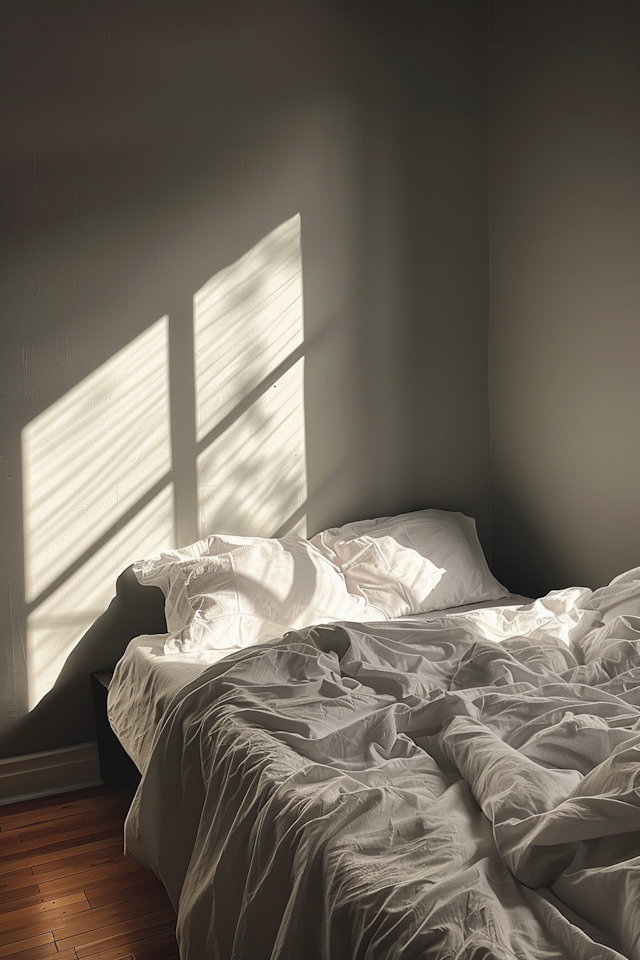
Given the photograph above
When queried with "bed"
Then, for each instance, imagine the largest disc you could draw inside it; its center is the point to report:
(362, 746)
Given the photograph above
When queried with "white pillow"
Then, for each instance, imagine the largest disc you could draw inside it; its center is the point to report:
(413, 563)
(227, 592)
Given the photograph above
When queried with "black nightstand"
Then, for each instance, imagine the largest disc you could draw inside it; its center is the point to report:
(115, 763)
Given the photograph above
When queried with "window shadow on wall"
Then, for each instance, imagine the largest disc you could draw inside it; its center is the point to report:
(102, 466)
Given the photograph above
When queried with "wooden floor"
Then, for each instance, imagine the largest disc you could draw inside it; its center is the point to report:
(67, 890)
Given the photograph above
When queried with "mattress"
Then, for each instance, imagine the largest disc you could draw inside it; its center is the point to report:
(148, 678)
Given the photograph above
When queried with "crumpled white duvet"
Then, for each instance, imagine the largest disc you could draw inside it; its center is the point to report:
(466, 788)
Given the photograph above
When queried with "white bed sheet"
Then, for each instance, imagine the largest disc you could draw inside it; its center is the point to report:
(148, 678)
(460, 786)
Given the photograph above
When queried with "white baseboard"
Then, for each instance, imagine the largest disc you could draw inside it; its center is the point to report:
(54, 771)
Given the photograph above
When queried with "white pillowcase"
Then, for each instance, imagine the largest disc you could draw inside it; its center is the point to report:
(227, 592)
(412, 563)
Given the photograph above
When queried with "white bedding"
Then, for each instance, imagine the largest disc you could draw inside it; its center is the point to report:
(461, 787)
(151, 673)
(227, 592)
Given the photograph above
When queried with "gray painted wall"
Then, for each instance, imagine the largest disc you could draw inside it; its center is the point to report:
(147, 147)
(565, 291)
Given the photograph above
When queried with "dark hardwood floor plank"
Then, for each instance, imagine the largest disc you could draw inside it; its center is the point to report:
(52, 912)
(80, 862)
(19, 878)
(167, 951)
(90, 878)
(35, 930)
(122, 890)
(33, 900)
(85, 793)
(58, 811)
(127, 940)
(120, 955)
(45, 855)
(118, 933)
(101, 916)
(109, 831)
(74, 818)
(14, 845)
(72, 822)
(9, 897)
(165, 944)
(37, 953)
(44, 925)
(11, 947)
(68, 891)
(38, 901)
(155, 948)
(116, 953)
(36, 852)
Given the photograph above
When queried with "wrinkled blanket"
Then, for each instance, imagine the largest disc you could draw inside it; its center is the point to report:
(461, 788)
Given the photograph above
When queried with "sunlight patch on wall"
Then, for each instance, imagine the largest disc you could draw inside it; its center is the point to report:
(247, 320)
(57, 624)
(89, 456)
(248, 333)
(99, 467)
(252, 478)
(89, 461)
